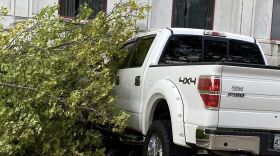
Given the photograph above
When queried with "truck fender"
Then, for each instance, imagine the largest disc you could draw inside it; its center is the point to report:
(165, 89)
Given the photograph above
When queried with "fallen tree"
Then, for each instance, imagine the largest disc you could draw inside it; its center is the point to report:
(56, 76)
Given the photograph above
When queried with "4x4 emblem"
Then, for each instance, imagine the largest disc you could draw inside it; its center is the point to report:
(188, 80)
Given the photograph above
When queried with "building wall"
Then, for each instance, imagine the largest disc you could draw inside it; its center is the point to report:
(262, 30)
(161, 14)
(22, 9)
(246, 17)
(251, 18)
(142, 24)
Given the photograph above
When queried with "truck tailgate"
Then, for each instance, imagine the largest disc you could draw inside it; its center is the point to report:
(250, 98)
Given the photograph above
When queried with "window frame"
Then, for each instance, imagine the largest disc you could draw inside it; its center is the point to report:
(173, 14)
(137, 41)
(59, 12)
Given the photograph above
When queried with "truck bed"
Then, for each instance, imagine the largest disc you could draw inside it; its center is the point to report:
(250, 97)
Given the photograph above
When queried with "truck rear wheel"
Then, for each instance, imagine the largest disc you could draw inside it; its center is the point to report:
(159, 142)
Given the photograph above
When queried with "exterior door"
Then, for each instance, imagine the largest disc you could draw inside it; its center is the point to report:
(130, 77)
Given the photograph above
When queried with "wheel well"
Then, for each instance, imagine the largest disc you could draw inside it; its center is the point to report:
(161, 111)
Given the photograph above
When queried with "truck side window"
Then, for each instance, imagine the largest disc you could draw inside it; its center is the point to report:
(244, 52)
(130, 48)
(183, 49)
(141, 51)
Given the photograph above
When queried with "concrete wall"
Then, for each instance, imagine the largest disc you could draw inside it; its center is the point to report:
(161, 14)
(38, 4)
(25, 8)
(251, 18)
(262, 30)
(227, 16)
(22, 9)
(142, 24)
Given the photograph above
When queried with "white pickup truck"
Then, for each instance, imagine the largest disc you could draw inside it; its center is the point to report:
(200, 89)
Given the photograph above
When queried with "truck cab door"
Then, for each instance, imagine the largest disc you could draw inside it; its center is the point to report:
(130, 79)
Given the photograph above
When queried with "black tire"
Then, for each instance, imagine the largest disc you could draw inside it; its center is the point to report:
(163, 130)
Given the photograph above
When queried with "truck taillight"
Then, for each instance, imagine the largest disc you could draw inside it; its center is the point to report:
(209, 89)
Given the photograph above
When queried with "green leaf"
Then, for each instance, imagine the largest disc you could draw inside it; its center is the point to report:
(56, 78)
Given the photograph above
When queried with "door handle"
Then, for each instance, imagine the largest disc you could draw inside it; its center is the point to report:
(137, 81)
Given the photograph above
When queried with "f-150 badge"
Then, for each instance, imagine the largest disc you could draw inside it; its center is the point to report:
(241, 95)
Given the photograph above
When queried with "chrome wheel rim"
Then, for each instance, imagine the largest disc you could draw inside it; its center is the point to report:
(154, 146)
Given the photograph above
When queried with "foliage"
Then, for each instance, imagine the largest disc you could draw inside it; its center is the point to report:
(57, 76)
(3, 11)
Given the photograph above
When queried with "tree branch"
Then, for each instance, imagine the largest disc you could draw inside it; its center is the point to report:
(26, 45)
(63, 44)
(31, 89)
(18, 86)
(18, 34)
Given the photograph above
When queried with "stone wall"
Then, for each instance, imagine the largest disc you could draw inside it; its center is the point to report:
(248, 17)
(22, 9)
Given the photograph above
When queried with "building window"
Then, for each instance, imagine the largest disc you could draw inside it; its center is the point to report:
(275, 29)
(193, 13)
(70, 8)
